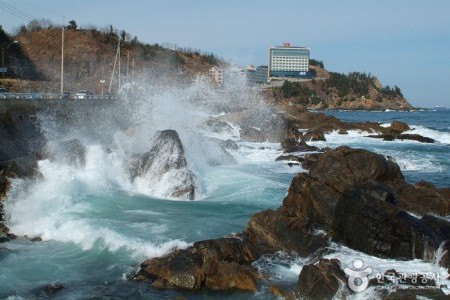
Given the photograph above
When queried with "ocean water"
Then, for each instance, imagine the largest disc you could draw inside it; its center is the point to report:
(96, 225)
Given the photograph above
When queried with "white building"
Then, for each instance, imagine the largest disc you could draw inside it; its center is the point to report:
(287, 61)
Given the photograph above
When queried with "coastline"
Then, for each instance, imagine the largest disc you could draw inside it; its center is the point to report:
(221, 254)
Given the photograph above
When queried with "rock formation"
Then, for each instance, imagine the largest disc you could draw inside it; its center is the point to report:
(164, 167)
(356, 197)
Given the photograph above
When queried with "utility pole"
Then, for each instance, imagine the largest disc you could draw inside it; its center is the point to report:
(128, 65)
(119, 64)
(62, 60)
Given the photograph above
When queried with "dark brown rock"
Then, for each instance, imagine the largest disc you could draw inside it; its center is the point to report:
(444, 260)
(399, 126)
(392, 136)
(270, 231)
(421, 199)
(315, 135)
(221, 264)
(368, 219)
(322, 280)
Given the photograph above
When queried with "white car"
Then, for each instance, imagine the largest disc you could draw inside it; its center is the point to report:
(84, 94)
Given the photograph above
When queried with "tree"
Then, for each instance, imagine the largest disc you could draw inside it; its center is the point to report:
(72, 25)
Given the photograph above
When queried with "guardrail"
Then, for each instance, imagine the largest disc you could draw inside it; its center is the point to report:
(51, 96)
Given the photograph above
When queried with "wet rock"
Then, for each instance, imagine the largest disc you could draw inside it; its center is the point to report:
(165, 161)
(229, 144)
(399, 126)
(290, 158)
(271, 130)
(252, 134)
(218, 126)
(321, 281)
(353, 196)
(421, 199)
(368, 219)
(216, 151)
(315, 135)
(394, 136)
(444, 259)
(53, 288)
(291, 145)
(361, 200)
(221, 264)
(270, 231)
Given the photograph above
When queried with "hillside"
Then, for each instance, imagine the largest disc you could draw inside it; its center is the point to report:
(89, 56)
(330, 90)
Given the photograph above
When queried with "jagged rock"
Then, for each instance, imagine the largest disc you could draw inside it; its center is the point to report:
(359, 198)
(215, 151)
(252, 134)
(273, 130)
(221, 264)
(270, 231)
(368, 219)
(321, 281)
(315, 135)
(352, 196)
(165, 162)
(229, 144)
(218, 126)
(292, 145)
(421, 199)
(444, 261)
(392, 136)
(5, 235)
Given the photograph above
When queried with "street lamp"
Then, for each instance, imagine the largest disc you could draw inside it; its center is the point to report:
(3, 60)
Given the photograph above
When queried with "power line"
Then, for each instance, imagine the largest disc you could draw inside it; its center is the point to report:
(16, 12)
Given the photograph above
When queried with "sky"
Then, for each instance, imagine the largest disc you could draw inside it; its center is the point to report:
(402, 42)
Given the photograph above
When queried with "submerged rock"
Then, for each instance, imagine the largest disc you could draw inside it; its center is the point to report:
(163, 170)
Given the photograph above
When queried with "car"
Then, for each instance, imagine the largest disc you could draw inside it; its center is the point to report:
(84, 94)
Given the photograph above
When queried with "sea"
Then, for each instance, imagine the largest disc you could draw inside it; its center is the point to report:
(93, 226)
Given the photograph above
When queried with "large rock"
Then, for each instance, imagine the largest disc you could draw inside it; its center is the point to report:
(367, 218)
(221, 264)
(321, 280)
(163, 169)
(352, 196)
(358, 198)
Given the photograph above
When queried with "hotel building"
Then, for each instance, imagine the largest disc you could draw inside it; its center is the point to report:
(287, 61)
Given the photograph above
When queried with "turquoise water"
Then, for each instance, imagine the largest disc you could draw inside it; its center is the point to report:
(96, 226)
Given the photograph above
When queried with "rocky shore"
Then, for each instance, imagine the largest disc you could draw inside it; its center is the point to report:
(351, 196)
